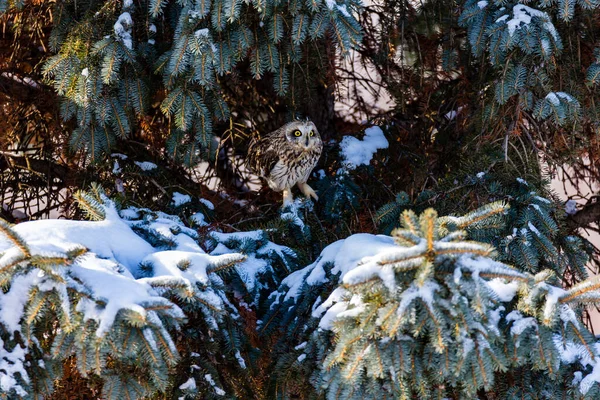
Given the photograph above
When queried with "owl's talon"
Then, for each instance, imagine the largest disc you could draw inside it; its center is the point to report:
(308, 191)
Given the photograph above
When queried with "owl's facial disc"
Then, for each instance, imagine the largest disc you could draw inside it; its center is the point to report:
(303, 135)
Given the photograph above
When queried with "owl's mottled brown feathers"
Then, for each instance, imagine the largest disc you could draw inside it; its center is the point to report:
(287, 156)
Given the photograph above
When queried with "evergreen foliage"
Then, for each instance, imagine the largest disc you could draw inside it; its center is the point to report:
(108, 55)
(124, 310)
(536, 238)
(431, 314)
(57, 313)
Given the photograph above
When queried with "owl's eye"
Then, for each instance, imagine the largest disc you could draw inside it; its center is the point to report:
(311, 133)
(297, 133)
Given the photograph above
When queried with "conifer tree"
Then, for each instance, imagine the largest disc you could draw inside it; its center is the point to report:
(115, 59)
(429, 313)
(124, 310)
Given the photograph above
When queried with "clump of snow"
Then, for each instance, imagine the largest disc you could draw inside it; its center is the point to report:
(522, 16)
(240, 359)
(24, 80)
(122, 29)
(85, 72)
(522, 181)
(482, 4)
(571, 207)
(116, 167)
(152, 28)
(212, 383)
(450, 115)
(343, 10)
(360, 152)
(180, 199)
(146, 165)
(553, 99)
(520, 323)
(190, 384)
(505, 291)
(201, 33)
(11, 365)
(256, 263)
(208, 204)
(198, 219)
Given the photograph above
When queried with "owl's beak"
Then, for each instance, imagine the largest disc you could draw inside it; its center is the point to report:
(306, 143)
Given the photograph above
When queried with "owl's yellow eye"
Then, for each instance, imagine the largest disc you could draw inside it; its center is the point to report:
(311, 133)
(297, 133)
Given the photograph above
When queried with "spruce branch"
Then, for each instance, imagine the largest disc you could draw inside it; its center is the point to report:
(225, 261)
(13, 237)
(581, 289)
(88, 203)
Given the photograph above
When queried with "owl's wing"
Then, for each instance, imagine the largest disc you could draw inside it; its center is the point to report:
(262, 156)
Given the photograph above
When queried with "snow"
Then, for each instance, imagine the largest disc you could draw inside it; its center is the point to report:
(571, 207)
(593, 377)
(190, 384)
(13, 302)
(109, 274)
(505, 291)
(85, 72)
(533, 229)
(482, 4)
(146, 165)
(522, 181)
(301, 357)
(198, 219)
(151, 42)
(211, 381)
(201, 33)
(116, 167)
(522, 16)
(450, 115)
(180, 199)
(119, 155)
(127, 3)
(110, 239)
(301, 346)
(12, 365)
(520, 323)
(24, 80)
(240, 359)
(553, 99)
(208, 204)
(122, 29)
(344, 10)
(331, 4)
(152, 28)
(360, 152)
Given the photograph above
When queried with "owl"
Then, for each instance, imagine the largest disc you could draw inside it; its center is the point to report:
(286, 157)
